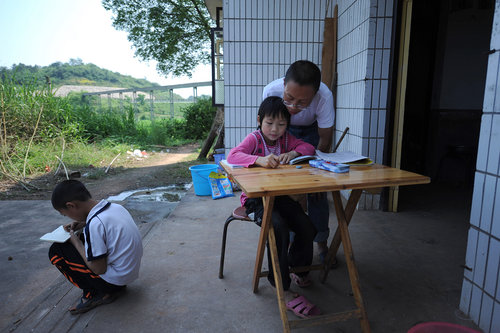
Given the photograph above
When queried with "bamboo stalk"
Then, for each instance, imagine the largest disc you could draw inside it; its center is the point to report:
(109, 166)
(31, 141)
(3, 130)
(3, 134)
(62, 155)
(16, 180)
(14, 168)
(21, 182)
(65, 170)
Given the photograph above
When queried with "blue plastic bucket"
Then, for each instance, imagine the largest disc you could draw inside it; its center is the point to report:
(199, 174)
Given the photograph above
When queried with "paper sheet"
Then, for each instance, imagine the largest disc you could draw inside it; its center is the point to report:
(340, 157)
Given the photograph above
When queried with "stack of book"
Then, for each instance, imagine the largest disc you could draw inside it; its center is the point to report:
(336, 162)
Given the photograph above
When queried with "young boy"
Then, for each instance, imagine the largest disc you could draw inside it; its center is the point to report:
(107, 257)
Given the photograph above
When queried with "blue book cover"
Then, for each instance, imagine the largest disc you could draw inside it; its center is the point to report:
(329, 166)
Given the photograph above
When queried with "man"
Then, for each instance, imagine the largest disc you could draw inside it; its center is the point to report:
(310, 104)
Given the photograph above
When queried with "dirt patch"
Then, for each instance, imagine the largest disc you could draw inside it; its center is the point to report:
(158, 169)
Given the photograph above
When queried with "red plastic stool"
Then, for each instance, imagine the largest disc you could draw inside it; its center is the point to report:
(440, 327)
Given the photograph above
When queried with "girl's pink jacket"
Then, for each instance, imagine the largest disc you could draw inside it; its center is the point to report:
(247, 152)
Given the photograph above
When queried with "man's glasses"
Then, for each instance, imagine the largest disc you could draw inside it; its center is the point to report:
(295, 106)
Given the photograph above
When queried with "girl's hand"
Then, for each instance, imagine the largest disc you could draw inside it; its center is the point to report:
(287, 157)
(270, 161)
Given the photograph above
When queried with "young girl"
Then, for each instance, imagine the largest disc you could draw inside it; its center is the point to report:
(268, 147)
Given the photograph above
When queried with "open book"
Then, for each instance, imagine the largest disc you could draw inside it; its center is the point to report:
(344, 157)
(302, 158)
(59, 235)
(232, 166)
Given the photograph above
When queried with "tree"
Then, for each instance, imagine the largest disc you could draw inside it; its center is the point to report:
(175, 33)
(75, 62)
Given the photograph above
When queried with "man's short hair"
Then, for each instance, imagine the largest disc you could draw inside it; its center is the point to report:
(305, 73)
(69, 190)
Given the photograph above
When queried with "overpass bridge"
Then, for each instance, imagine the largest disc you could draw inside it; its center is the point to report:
(149, 96)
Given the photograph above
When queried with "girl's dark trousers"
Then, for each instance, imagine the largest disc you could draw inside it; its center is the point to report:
(69, 262)
(287, 216)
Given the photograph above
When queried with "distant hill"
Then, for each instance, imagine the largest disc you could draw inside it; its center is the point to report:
(74, 72)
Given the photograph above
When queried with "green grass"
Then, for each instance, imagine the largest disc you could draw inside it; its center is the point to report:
(77, 155)
(34, 125)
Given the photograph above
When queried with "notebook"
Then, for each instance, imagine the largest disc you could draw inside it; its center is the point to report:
(59, 235)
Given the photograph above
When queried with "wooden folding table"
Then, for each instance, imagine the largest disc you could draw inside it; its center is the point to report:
(289, 180)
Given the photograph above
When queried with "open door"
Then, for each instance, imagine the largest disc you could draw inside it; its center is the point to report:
(440, 69)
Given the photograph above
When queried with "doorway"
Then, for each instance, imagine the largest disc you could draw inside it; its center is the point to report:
(445, 80)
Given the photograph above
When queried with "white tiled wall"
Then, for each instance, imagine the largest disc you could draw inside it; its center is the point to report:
(481, 286)
(364, 41)
(263, 37)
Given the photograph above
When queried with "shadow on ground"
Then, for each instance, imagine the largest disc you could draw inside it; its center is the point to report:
(410, 268)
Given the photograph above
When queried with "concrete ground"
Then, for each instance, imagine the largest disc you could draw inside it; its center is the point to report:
(410, 266)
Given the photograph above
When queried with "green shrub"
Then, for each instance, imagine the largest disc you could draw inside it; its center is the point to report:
(199, 117)
(108, 123)
(26, 109)
(30, 108)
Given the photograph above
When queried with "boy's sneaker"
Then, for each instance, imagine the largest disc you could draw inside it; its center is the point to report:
(87, 304)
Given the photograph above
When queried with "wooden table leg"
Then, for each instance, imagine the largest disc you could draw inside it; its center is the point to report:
(278, 283)
(266, 222)
(349, 256)
(267, 233)
(334, 246)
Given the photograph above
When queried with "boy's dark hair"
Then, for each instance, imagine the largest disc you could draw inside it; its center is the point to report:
(273, 107)
(305, 73)
(69, 190)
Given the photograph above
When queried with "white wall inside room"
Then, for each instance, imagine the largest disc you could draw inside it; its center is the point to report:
(364, 42)
(455, 82)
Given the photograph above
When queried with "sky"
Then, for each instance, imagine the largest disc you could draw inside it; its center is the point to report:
(41, 32)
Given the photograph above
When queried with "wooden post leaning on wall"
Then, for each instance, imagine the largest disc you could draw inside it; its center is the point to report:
(217, 125)
(329, 54)
(329, 51)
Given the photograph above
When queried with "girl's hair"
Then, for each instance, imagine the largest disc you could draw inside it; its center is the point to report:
(69, 190)
(273, 107)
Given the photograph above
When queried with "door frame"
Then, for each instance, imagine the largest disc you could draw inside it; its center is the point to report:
(400, 97)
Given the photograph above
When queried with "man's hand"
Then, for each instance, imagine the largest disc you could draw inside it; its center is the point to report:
(270, 161)
(325, 139)
(285, 158)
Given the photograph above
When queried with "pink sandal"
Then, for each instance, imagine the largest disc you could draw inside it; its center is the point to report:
(301, 281)
(301, 307)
